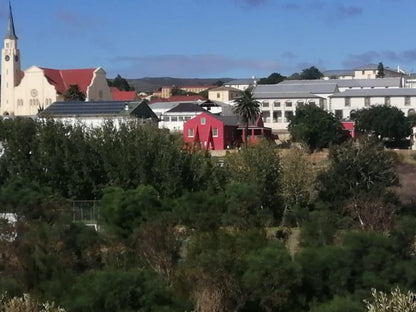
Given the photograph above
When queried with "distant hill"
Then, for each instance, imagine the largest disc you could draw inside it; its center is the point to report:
(152, 84)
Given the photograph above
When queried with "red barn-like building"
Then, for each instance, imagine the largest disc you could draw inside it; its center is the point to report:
(215, 132)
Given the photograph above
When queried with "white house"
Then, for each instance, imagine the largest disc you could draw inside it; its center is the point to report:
(96, 114)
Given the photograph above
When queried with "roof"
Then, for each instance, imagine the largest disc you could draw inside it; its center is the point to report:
(62, 79)
(353, 83)
(186, 107)
(118, 95)
(11, 33)
(227, 120)
(223, 88)
(376, 92)
(244, 81)
(96, 108)
(338, 72)
(326, 87)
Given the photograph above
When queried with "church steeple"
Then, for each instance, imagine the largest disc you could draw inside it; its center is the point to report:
(11, 33)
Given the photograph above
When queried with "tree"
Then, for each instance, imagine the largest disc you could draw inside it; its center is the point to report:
(358, 179)
(271, 276)
(380, 70)
(74, 94)
(297, 185)
(315, 127)
(272, 79)
(311, 73)
(383, 122)
(120, 83)
(248, 108)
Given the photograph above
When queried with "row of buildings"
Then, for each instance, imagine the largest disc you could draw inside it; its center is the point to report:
(38, 89)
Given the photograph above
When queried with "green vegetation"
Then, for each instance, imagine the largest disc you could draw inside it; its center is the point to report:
(315, 127)
(183, 232)
(74, 94)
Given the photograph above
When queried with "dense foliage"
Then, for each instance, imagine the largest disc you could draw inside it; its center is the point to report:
(383, 122)
(315, 127)
(258, 230)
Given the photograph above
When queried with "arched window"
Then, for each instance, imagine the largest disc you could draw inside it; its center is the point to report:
(411, 112)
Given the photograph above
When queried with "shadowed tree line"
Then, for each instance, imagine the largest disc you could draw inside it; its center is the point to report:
(183, 231)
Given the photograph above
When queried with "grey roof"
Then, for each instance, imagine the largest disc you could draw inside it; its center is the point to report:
(244, 81)
(338, 72)
(228, 120)
(376, 92)
(96, 108)
(186, 108)
(11, 33)
(353, 83)
(290, 95)
(326, 87)
(367, 66)
(164, 105)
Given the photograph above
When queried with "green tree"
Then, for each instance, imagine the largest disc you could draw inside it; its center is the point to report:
(380, 70)
(248, 108)
(247, 167)
(125, 210)
(270, 277)
(297, 185)
(311, 73)
(383, 122)
(357, 180)
(315, 127)
(73, 93)
(120, 83)
(272, 79)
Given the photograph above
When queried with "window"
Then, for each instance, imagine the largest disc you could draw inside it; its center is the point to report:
(276, 104)
(367, 101)
(218, 95)
(203, 121)
(411, 112)
(311, 102)
(300, 102)
(288, 103)
(347, 101)
(407, 100)
(387, 100)
(215, 132)
(190, 133)
(277, 116)
(174, 118)
(265, 104)
(338, 113)
(288, 115)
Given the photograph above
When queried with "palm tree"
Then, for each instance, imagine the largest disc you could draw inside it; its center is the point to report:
(248, 108)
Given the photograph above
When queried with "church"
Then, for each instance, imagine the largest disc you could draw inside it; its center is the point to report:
(25, 93)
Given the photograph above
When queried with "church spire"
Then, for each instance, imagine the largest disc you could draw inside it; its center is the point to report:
(11, 34)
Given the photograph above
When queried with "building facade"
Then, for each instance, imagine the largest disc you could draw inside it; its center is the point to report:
(25, 93)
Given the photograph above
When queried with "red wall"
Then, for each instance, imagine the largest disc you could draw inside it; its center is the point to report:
(203, 133)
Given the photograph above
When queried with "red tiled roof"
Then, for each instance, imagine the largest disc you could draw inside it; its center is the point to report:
(63, 78)
(122, 95)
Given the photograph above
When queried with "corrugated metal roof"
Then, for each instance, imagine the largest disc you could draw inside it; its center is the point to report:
(395, 82)
(244, 81)
(376, 92)
(338, 72)
(228, 120)
(186, 107)
(298, 87)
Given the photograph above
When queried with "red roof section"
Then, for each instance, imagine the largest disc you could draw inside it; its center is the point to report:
(63, 78)
(122, 95)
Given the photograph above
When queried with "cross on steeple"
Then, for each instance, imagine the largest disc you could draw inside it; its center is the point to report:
(11, 33)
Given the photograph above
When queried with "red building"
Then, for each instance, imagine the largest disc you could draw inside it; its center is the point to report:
(215, 132)
(350, 127)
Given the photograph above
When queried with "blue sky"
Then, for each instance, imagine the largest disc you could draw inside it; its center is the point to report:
(213, 38)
